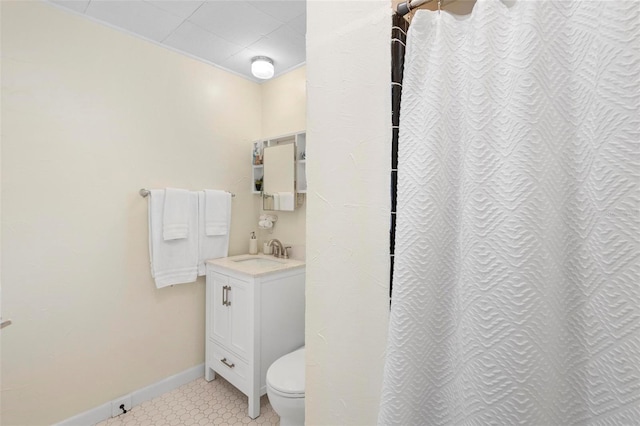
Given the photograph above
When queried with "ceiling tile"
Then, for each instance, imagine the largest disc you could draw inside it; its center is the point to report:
(299, 24)
(241, 63)
(286, 63)
(280, 44)
(194, 40)
(236, 21)
(136, 16)
(284, 11)
(77, 5)
(181, 8)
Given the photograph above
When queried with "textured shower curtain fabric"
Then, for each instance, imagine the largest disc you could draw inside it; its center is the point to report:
(516, 295)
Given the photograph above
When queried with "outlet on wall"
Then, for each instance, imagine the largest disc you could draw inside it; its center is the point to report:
(119, 405)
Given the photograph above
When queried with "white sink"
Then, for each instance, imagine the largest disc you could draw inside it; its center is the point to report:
(258, 261)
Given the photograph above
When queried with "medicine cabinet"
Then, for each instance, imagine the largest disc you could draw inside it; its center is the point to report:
(279, 175)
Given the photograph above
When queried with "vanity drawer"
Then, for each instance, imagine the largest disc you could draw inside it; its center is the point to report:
(231, 367)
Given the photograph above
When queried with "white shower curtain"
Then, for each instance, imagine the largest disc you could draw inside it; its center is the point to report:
(516, 295)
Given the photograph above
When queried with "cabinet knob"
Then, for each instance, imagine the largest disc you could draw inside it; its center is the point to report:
(225, 362)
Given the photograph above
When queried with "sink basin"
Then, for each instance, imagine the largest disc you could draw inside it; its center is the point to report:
(258, 261)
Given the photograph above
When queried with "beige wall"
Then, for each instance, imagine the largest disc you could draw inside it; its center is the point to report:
(283, 115)
(90, 116)
(349, 151)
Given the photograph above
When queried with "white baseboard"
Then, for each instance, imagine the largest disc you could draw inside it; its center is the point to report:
(103, 412)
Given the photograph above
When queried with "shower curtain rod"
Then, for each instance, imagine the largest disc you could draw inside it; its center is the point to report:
(406, 7)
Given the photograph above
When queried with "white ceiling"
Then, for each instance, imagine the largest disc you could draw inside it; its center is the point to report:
(226, 33)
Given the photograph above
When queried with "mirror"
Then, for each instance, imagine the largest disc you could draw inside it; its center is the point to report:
(279, 191)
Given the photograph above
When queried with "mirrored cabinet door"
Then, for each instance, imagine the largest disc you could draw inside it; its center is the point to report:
(279, 171)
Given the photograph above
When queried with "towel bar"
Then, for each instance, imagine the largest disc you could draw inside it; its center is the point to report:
(5, 323)
(145, 193)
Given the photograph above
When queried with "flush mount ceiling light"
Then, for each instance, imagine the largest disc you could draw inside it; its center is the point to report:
(262, 67)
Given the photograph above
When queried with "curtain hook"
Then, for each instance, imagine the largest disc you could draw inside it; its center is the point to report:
(409, 15)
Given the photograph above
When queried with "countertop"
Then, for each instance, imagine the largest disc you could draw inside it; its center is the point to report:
(254, 269)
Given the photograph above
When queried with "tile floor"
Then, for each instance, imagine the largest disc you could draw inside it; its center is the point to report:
(197, 403)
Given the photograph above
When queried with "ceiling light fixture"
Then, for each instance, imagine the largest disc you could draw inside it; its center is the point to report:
(262, 67)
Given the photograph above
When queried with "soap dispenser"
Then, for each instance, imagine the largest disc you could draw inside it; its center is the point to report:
(253, 244)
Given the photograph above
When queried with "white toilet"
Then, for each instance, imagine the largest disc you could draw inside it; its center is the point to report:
(285, 388)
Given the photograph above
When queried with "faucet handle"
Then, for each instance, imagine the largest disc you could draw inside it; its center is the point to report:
(286, 252)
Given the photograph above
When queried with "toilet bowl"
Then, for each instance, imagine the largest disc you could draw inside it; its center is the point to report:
(285, 388)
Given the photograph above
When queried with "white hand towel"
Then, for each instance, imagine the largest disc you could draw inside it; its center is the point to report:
(276, 201)
(217, 209)
(172, 261)
(211, 246)
(286, 200)
(176, 214)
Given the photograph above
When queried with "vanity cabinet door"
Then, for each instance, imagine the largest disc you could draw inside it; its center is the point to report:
(232, 314)
(220, 314)
(240, 317)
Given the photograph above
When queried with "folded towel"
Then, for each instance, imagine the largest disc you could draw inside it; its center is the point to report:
(216, 212)
(212, 246)
(286, 200)
(172, 261)
(175, 218)
(276, 201)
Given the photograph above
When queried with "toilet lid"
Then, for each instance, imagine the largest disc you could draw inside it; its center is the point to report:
(286, 375)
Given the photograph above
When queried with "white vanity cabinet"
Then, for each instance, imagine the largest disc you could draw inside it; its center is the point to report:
(254, 314)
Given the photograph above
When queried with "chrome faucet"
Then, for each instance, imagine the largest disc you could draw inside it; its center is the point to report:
(277, 247)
